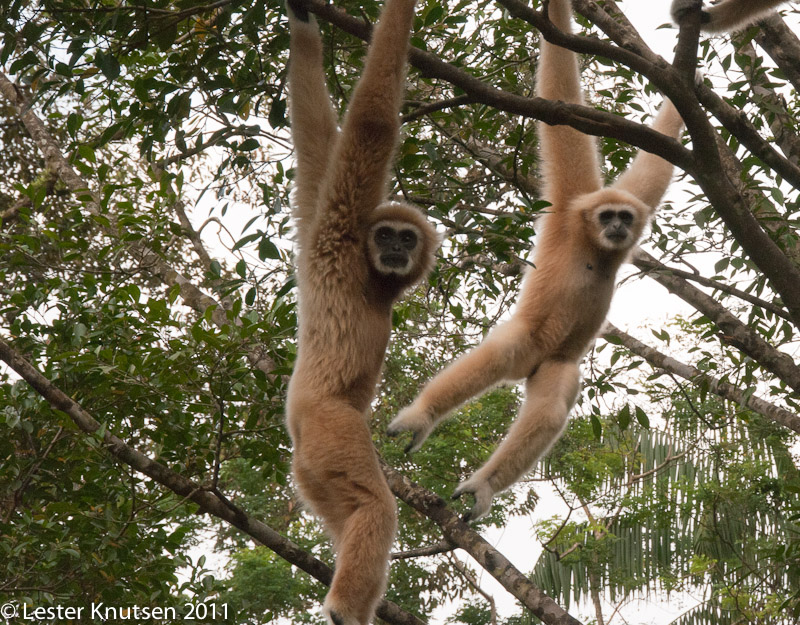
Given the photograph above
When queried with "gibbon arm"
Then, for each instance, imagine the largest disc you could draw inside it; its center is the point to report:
(570, 163)
(649, 175)
(313, 118)
(729, 15)
(372, 123)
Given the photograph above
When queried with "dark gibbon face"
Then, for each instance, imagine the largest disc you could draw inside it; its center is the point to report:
(394, 247)
(617, 226)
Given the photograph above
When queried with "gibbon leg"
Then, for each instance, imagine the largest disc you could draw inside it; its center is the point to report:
(338, 475)
(503, 352)
(549, 395)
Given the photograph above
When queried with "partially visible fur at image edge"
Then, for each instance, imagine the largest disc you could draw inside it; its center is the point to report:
(728, 15)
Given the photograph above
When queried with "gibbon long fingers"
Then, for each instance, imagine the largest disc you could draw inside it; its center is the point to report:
(549, 396)
(502, 355)
(314, 125)
(371, 126)
(572, 166)
(649, 175)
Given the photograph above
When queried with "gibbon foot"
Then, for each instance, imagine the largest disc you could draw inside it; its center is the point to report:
(419, 423)
(299, 11)
(483, 493)
(334, 618)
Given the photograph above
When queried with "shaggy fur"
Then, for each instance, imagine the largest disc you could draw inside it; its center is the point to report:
(345, 300)
(728, 15)
(565, 296)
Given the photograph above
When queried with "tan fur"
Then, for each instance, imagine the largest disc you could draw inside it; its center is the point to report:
(727, 15)
(564, 298)
(345, 302)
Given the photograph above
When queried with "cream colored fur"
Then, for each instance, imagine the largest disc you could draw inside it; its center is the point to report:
(344, 302)
(565, 296)
(728, 15)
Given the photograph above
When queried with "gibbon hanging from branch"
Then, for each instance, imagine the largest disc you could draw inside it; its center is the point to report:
(728, 15)
(357, 253)
(565, 296)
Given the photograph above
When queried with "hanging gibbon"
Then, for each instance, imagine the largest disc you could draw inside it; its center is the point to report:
(727, 15)
(357, 253)
(565, 296)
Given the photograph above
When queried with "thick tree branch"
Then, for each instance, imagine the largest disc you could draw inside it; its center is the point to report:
(695, 376)
(461, 535)
(209, 501)
(649, 263)
(782, 45)
(583, 118)
(734, 332)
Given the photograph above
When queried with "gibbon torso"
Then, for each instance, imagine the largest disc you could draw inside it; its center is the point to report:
(345, 323)
(566, 295)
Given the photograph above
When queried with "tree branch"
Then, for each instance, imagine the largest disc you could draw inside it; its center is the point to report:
(210, 502)
(695, 376)
(733, 330)
(462, 535)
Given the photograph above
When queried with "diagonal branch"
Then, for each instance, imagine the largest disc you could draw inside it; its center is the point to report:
(460, 534)
(56, 162)
(209, 500)
(733, 330)
(695, 376)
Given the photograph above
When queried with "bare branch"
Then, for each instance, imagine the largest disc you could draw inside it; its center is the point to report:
(462, 535)
(734, 332)
(695, 376)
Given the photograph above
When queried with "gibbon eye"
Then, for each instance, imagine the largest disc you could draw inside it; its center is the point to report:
(384, 234)
(626, 217)
(606, 217)
(409, 239)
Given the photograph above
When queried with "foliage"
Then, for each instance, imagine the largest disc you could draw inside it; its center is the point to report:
(156, 291)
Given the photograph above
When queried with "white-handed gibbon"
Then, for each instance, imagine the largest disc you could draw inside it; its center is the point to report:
(727, 15)
(565, 296)
(357, 253)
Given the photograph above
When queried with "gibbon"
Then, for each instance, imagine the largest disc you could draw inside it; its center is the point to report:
(357, 253)
(728, 15)
(565, 296)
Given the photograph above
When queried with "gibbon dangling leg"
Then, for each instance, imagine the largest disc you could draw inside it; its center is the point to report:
(550, 395)
(565, 296)
(728, 15)
(357, 253)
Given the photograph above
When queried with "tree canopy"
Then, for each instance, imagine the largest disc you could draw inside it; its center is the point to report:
(147, 317)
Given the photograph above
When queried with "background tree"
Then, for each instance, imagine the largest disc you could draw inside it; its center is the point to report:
(147, 315)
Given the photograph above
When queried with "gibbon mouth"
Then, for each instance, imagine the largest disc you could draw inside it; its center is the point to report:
(617, 237)
(394, 260)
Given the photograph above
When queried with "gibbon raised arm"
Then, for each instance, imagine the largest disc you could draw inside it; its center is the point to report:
(356, 255)
(565, 296)
(728, 15)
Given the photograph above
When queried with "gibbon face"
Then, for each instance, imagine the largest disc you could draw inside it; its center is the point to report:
(614, 224)
(400, 243)
(613, 218)
(394, 247)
